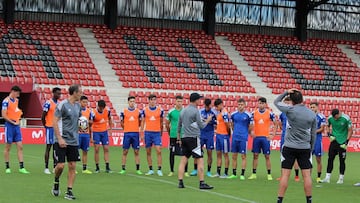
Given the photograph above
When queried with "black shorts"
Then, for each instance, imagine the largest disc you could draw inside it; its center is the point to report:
(335, 149)
(302, 156)
(191, 147)
(70, 152)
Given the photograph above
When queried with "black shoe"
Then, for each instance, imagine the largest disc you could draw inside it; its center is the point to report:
(205, 186)
(55, 190)
(109, 170)
(69, 195)
(181, 185)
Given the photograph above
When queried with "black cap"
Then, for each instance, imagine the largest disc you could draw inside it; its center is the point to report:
(195, 96)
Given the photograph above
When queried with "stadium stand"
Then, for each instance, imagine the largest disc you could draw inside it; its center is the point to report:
(167, 99)
(27, 46)
(170, 59)
(316, 66)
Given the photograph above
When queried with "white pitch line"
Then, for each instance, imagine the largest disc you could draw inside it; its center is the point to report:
(193, 188)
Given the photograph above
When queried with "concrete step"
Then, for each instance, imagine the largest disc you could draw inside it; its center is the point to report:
(255, 81)
(117, 94)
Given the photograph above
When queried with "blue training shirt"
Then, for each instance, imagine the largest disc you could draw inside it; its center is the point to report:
(283, 121)
(241, 122)
(321, 120)
(210, 127)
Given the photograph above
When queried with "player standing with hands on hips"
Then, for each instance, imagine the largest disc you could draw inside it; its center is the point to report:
(299, 141)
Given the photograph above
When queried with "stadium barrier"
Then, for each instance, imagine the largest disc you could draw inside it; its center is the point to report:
(37, 136)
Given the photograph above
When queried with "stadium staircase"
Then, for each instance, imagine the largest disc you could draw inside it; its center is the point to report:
(351, 53)
(255, 81)
(116, 93)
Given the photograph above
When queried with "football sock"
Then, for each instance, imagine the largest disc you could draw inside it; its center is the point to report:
(308, 199)
(319, 174)
(97, 167)
(159, 168)
(234, 171)
(195, 166)
(269, 171)
(46, 164)
(218, 170)
(137, 167)
(201, 182)
(107, 165)
(123, 167)
(280, 199)
(226, 171)
(150, 168)
(7, 165)
(84, 167)
(69, 189)
(21, 165)
(254, 170)
(296, 172)
(242, 172)
(186, 168)
(209, 168)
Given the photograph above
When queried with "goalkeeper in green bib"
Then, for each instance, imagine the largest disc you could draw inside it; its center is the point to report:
(340, 131)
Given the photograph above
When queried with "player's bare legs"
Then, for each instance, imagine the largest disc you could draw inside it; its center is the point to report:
(96, 157)
(243, 161)
(158, 154)
(209, 157)
(181, 169)
(268, 162)
(71, 173)
(200, 168)
(137, 156)
(124, 155)
(234, 160)
(284, 179)
(218, 162)
(227, 163)
(47, 154)
(106, 158)
(6, 152)
(148, 156)
(19, 148)
(84, 157)
(149, 160)
(319, 167)
(306, 173)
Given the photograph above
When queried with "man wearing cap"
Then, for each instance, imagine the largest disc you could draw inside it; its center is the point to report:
(190, 122)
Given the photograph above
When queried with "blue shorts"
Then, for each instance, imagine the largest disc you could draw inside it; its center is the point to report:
(84, 141)
(152, 138)
(101, 138)
(131, 138)
(318, 148)
(208, 141)
(239, 146)
(261, 143)
(222, 143)
(12, 133)
(49, 135)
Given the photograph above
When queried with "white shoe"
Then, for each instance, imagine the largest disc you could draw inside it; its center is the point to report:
(326, 180)
(340, 181)
(47, 171)
(357, 184)
(216, 175)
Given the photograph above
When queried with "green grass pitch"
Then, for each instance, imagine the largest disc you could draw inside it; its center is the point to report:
(102, 187)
